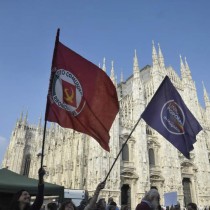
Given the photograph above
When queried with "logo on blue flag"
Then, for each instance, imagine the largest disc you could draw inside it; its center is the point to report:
(169, 116)
(173, 118)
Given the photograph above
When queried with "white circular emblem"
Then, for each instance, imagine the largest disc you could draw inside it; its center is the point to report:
(173, 118)
(67, 92)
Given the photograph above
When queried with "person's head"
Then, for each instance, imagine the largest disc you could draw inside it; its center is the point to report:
(112, 205)
(177, 206)
(68, 205)
(110, 199)
(101, 204)
(82, 205)
(52, 206)
(191, 206)
(24, 197)
(124, 207)
(153, 197)
(20, 199)
(83, 202)
(89, 199)
(154, 187)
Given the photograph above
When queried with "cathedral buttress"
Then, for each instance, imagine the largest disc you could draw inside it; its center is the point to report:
(191, 99)
(137, 90)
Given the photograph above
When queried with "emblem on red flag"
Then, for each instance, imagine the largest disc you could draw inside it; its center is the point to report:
(67, 92)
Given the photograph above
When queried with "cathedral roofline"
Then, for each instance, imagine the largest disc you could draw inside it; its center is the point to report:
(143, 69)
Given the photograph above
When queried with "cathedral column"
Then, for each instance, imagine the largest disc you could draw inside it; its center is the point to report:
(194, 189)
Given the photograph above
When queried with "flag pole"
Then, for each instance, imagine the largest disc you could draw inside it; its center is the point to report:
(122, 149)
(43, 143)
(46, 109)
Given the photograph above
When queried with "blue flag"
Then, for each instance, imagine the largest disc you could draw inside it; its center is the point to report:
(169, 116)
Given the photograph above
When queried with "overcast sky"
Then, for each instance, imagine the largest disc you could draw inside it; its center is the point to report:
(95, 29)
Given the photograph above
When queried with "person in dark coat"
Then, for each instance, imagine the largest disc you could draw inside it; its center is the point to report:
(112, 206)
(151, 201)
(192, 206)
(21, 199)
(68, 205)
(52, 206)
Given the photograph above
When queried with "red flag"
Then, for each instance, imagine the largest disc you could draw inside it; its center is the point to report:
(81, 96)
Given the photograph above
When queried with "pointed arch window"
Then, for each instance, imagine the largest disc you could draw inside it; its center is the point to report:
(125, 153)
(27, 165)
(151, 157)
(148, 130)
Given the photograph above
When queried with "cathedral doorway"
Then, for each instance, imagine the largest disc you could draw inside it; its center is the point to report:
(187, 190)
(125, 196)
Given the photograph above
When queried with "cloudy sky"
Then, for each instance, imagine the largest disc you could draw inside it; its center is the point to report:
(95, 29)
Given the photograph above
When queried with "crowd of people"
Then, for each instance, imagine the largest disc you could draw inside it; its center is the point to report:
(151, 201)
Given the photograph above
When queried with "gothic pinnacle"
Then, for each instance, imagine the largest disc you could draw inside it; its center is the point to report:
(112, 72)
(135, 60)
(104, 64)
(21, 116)
(206, 97)
(182, 67)
(135, 65)
(154, 55)
(161, 58)
(188, 69)
(40, 121)
(26, 117)
(121, 77)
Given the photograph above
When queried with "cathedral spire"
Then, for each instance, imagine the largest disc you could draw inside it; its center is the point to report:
(187, 69)
(26, 117)
(137, 84)
(112, 72)
(154, 56)
(135, 60)
(156, 72)
(104, 64)
(21, 116)
(135, 65)
(206, 97)
(182, 68)
(40, 121)
(161, 58)
(121, 77)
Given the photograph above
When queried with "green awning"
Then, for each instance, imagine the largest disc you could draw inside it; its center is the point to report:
(11, 182)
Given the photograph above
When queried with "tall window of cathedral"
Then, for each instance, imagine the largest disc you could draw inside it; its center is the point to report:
(151, 157)
(148, 130)
(125, 153)
(27, 165)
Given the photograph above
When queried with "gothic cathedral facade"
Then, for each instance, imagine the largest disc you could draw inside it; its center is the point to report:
(76, 161)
